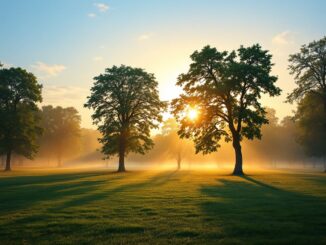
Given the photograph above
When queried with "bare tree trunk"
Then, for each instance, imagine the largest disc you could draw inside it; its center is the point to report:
(238, 157)
(122, 154)
(8, 167)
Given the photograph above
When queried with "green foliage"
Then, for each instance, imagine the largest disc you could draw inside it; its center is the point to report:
(309, 68)
(61, 131)
(226, 87)
(19, 124)
(310, 118)
(126, 107)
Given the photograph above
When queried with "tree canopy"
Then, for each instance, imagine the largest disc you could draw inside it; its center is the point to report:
(126, 107)
(309, 70)
(19, 125)
(226, 88)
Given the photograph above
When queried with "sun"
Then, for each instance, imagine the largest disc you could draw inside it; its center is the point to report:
(192, 113)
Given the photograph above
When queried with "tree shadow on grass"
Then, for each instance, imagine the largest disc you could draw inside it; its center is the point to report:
(105, 194)
(22, 192)
(24, 181)
(248, 209)
(32, 190)
(57, 217)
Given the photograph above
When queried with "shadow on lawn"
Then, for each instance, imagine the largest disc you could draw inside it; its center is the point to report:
(31, 190)
(22, 192)
(247, 207)
(70, 191)
(105, 193)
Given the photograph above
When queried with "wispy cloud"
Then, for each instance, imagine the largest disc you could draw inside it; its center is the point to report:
(283, 38)
(64, 95)
(91, 15)
(102, 7)
(46, 70)
(144, 36)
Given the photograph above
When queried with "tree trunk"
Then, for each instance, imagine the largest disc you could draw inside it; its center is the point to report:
(3, 160)
(121, 162)
(122, 149)
(179, 161)
(238, 157)
(325, 110)
(8, 167)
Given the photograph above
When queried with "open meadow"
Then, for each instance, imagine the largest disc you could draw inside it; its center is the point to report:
(167, 207)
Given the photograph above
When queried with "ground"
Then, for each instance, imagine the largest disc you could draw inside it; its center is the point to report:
(169, 207)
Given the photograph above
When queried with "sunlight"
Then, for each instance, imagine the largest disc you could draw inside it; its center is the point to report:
(192, 113)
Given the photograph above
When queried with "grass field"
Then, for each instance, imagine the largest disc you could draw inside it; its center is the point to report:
(185, 207)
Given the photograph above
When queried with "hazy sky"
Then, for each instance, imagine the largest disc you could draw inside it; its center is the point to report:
(68, 42)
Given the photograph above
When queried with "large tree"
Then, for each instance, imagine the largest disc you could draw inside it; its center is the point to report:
(61, 132)
(311, 133)
(225, 88)
(126, 107)
(309, 70)
(19, 125)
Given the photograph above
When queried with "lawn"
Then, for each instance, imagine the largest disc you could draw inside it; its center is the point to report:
(168, 207)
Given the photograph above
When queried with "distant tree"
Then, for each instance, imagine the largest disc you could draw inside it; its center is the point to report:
(309, 68)
(126, 107)
(174, 147)
(89, 141)
(61, 131)
(278, 141)
(310, 118)
(226, 87)
(19, 124)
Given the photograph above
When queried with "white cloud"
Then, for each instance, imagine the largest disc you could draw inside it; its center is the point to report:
(144, 36)
(283, 38)
(102, 7)
(46, 70)
(91, 15)
(97, 58)
(64, 95)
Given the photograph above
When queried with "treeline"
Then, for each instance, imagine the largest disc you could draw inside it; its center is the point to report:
(219, 104)
(63, 143)
(61, 139)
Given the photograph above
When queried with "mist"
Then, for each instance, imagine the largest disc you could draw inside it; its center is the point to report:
(277, 149)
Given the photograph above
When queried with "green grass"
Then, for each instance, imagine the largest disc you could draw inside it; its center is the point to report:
(185, 207)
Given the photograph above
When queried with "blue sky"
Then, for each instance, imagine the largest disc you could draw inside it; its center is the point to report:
(68, 42)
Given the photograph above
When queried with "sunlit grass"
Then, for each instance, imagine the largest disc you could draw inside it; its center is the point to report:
(168, 207)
